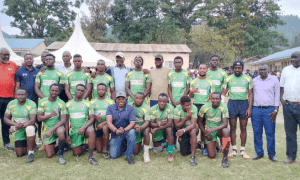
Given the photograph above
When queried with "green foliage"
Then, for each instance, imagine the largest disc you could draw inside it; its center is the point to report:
(41, 18)
(108, 39)
(296, 41)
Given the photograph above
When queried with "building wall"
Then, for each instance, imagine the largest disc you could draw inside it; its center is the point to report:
(148, 58)
(275, 65)
(37, 50)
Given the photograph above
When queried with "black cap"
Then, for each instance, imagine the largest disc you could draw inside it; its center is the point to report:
(158, 56)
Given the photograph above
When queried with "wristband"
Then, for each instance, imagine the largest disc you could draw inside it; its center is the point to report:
(183, 130)
(15, 128)
(116, 130)
(275, 110)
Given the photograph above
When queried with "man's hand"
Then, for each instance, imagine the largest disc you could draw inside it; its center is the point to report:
(208, 137)
(194, 90)
(283, 102)
(98, 118)
(93, 74)
(208, 131)
(120, 131)
(175, 104)
(153, 131)
(11, 130)
(19, 126)
(248, 113)
(273, 114)
(189, 114)
(137, 128)
(68, 140)
(48, 134)
(81, 131)
(180, 132)
(100, 126)
(43, 69)
(163, 123)
(145, 71)
(54, 113)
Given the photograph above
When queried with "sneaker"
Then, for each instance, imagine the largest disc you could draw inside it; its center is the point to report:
(170, 157)
(39, 141)
(205, 153)
(105, 155)
(233, 153)
(193, 161)
(30, 158)
(61, 159)
(151, 146)
(174, 146)
(244, 154)
(146, 157)
(198, 146)
(130, 160)
(36, 146)
(158, 149)
(225, 163)
(93, 160)
(8, 147)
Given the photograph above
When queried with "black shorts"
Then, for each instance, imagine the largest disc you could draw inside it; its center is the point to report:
(99, 133)
(238, 108)
(185, 146)
(198, 109)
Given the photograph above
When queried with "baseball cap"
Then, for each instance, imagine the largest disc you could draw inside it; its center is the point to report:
(121, 94)
(120, 54)
(158, 56)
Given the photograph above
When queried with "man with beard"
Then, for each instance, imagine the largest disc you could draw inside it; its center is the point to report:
(202, 87)
(43, 59)
(240, 104)
(52, 112)
(21, 114)
(99, 106)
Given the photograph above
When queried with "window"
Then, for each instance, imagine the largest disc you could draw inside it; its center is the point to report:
(169, 64)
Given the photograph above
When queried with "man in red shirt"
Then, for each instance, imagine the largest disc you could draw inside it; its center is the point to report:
(8, 70)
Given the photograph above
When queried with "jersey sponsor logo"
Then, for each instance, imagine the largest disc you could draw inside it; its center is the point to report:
(216, 82)
(94, 80)
(136, 82)
(44, 75)
(77, 115)
(205, 84)
(45, 107)
(20, 120)
(53, 116)
(105, 104)
(172, 77)
(72, 77)
(238, 89)
(71, 107)
(141, 75)
(243, 81)
(218, 75)
(13, 111)
(95, 105)
(75, 83)
(24, 74)
(48, 82)
(25, 112)
(140, 113)
(218, 112)
(166, 114)
(82, 75)
(232, 82)
(56, 107)
(104, 79)
(82, 107)
(201, 92)
(103, 112)
(54, 74)
(208, 75)
(177, 84)
(208, 113)
(218, 119)
(182, 77)
(9, 68)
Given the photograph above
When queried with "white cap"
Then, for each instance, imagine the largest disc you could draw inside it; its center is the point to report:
(120, 54)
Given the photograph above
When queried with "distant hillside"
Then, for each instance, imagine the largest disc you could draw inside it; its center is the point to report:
(7, 35)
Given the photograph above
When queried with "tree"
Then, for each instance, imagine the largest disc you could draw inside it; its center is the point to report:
(132, 20)
(41, 18)
(207, 41)
(94, 27)
(246, 23)
(296, 41)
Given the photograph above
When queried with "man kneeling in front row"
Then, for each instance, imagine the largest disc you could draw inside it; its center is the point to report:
(216, 114)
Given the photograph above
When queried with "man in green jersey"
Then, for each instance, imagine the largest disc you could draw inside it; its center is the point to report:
(99, 106)
(185, 120)
(21, 114)
(80, 116)
(102, 77)
(202, 87)
(77, 76)
(216, 114)
(137, 81)
(240, 102)
(142, 125)
(52, 112)
(161, 124)
(216, 75)
(50, 76)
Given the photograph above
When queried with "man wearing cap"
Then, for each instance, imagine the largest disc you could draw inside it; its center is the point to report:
(121, 119)
(118, 72)
(159, 79)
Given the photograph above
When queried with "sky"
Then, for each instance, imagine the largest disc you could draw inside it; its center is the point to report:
(288, 7)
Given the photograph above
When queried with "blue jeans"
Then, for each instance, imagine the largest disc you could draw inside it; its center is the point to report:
(153, 103)
(123, 143)
(261, 119)
(291, 114)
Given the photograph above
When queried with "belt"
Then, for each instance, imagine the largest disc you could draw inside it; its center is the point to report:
(263, 107)
(295, 103)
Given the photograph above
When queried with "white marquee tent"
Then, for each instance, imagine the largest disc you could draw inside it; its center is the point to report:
(78, 44)
(13, 56)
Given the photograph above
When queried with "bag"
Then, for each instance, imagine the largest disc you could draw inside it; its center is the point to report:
(184, 142)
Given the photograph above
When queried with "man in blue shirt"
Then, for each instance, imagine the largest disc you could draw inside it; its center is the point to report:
(25, 78)
(120, 118)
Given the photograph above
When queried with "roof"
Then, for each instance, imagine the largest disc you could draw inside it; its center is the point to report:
(276, 56)
(124, 47)
(23, 43)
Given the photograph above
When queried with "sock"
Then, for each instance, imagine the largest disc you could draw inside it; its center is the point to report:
(242, 148)
(146, 149)
(226, 145)
(91, 152)
(56, 149)
(165, 144)
(30, 152)
(234, 147)
(170, 149)
(61, 145)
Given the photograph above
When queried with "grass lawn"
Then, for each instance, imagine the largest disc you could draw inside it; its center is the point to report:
(12, 167)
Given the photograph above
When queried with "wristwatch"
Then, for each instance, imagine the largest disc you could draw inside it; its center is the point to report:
(116, 130)
(275, 110)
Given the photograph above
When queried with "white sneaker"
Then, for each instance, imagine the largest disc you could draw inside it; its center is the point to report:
(39, 141)
(151, 146)
(146, 157)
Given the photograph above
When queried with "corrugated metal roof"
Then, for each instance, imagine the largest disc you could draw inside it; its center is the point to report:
(23, 43)
(124, 47)
(279, 55)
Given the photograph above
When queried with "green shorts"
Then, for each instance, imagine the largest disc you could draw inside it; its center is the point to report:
(214, 137)
(21, 134)
(139, 137)
(158, 136)
(76, 140)
(51, 139)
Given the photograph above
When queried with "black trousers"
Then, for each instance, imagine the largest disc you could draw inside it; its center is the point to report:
(4, 127)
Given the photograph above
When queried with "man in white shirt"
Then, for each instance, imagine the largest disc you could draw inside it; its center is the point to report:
(290, 99)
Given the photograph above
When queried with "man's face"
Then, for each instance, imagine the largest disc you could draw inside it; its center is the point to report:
(101, 90)
(256, 71)
(121, 101)
(159, 62)
(21, 95)
(49, 61)
(186, 106)
(238, 70)
(5, 56)
(43, 56)
(139, 99)
(248, 71)
(214, 62)
(295, 60)
(138, 62)
(101, 66)
(28, 60)
(162, 102)
(120, 61)
(263, 72)
(54, 92)
(67, 58)
(202, 70)
(215, 99)
(77, 61)
(79, 91)
(178, 64)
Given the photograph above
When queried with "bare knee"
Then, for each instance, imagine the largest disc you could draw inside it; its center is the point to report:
(225, 132)
(211, 156)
